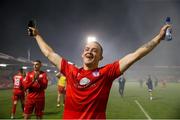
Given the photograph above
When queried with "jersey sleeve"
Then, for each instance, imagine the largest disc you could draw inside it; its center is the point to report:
(113, 70)
(44, 81)
(66, 67)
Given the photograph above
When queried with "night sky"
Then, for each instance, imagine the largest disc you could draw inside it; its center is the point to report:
(121, 26)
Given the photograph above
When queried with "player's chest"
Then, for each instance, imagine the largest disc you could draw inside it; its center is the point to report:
(87, 79)
(40, 77)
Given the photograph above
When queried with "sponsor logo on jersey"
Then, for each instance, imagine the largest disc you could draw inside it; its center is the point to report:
(84, 81)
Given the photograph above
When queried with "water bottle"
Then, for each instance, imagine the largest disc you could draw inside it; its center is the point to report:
(168, 36)
(31, 23)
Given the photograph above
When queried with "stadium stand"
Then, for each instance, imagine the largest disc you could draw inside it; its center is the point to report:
(9, 66)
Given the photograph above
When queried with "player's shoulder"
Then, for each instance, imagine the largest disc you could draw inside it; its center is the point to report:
(43, 73)
(112, 63)
(30, 72)
(17, 76)
(109, 65)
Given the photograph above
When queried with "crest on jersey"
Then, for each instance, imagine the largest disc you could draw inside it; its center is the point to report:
(84, 81)
(96, 73)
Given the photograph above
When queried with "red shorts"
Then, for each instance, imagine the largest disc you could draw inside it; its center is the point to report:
(17, 97)
(61, 89)
(34, 104)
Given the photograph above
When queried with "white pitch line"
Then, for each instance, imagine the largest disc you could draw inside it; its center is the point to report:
(142, 109)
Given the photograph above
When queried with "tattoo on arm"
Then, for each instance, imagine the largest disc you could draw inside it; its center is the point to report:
(149, 45)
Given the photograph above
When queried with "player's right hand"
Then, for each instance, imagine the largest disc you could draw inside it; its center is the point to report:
(32, 31)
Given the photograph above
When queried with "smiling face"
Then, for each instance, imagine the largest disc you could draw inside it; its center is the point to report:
(92, 54)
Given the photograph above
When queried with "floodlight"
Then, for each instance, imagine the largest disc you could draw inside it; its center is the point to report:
(91, 39)
(48, 70)
(3, 65)
(24, 67)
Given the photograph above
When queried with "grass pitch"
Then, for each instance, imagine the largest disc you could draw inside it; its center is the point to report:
(165, 103)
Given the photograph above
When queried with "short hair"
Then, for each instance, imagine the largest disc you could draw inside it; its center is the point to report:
(38, 61)
(99, 46)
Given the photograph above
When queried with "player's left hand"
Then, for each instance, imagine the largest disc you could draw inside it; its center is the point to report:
(163, 31)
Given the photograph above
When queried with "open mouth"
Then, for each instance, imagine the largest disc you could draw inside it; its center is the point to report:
(89, 56)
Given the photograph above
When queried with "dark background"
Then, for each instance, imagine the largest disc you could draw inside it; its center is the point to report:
(121, 26)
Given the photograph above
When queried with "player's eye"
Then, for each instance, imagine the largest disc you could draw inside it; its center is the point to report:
(86, 49)
(94, 50)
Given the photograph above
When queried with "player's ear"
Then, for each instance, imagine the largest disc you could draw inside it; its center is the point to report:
(101, 57)
(40, 65)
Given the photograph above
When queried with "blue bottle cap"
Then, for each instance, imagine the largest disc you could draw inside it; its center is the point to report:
(168, 19)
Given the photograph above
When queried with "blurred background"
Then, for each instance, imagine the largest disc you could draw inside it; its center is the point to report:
(121, 26)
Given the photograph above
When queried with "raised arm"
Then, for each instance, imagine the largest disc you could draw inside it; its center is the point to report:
(131, 58)
(46, 49)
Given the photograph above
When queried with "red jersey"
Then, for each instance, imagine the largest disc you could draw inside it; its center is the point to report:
(17, 84)
(36, 88)
(87, 91)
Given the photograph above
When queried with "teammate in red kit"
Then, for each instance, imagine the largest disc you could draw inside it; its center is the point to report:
(36, 83)
(88, 88)
(18, 91)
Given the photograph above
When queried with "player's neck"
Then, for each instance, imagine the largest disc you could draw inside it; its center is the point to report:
(89, 67)
(35, 71)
